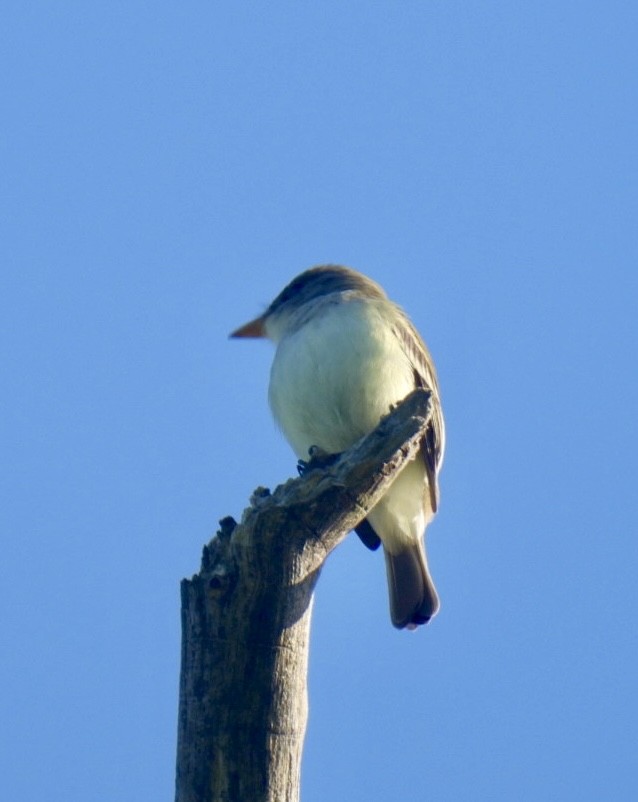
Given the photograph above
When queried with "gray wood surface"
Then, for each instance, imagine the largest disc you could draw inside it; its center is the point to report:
(246, 619)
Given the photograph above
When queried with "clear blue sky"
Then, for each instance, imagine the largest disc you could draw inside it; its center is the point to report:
(165, 169)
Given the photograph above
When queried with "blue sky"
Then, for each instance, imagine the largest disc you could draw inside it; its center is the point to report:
(165, 170)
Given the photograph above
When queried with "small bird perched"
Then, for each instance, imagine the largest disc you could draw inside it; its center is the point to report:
(345, 356)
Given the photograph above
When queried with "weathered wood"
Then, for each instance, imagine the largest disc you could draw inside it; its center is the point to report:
(246, 619)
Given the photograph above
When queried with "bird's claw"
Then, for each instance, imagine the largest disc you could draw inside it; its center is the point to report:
(318, 459)
(302, 466)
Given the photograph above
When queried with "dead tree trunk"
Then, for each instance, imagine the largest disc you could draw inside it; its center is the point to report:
(246, 619)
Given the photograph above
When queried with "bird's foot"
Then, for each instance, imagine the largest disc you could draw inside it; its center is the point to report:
(302, 467)
(318, 459)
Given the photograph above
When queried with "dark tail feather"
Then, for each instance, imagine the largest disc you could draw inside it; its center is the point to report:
(413, 597)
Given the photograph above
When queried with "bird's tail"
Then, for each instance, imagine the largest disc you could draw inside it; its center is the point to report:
(413, 597)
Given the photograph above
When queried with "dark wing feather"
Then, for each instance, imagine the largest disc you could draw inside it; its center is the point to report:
(367, 535)
(433, 444)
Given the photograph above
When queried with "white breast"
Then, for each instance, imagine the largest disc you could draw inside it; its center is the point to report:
(335, 376)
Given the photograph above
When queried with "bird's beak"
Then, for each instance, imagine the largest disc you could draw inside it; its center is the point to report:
(253, 329)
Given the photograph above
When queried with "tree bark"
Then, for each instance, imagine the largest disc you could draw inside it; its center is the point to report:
(246, 619)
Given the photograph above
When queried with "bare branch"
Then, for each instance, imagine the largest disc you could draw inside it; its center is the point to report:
(246, 619)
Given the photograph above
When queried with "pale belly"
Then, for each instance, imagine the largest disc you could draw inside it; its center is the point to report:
(333, 380)
(330, 384)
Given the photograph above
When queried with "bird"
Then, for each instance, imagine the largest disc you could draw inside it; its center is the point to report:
(345, 356)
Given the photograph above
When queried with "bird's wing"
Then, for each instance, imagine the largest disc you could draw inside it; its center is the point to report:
(433, 443)
(367, 535)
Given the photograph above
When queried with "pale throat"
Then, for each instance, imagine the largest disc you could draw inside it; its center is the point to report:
(336, 375)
